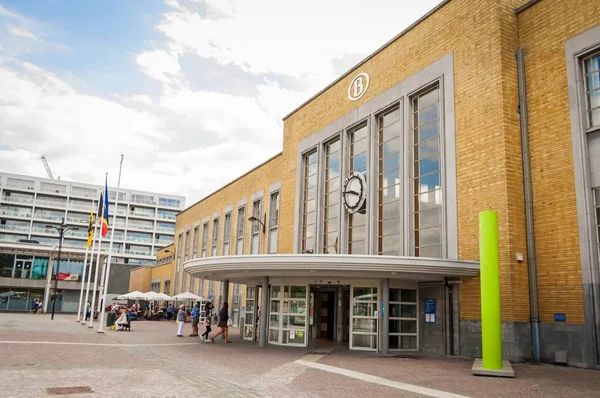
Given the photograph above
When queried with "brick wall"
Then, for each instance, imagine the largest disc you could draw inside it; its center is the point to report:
(257, 179)
(543, 30)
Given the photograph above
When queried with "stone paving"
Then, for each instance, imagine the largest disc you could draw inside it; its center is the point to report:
(150, 361)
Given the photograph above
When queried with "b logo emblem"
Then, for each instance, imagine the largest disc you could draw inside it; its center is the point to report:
(358, 86)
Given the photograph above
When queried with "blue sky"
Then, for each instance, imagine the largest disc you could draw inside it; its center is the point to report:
(191, 91)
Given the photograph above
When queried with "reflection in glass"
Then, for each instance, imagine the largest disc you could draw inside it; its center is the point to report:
(364, 325)
(309, 202)
(358, 164)
(390, 146)
(331, 209)
(427, 191)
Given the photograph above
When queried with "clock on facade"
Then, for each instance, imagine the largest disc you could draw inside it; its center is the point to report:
(355, 193)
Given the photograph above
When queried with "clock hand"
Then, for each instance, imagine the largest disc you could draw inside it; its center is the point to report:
(352, 192)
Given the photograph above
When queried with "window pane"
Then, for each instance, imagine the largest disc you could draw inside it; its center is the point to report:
(294, 322)
(273, 335)
(429, 182)
(429, 200)
(274, 321)
(390, 244)
(431, 251)
(365, 293)
(594, 117)
(390, 132)
(364, 325)
(428, 99)
(297, 292)
(389, 118)
(357, 247)
(430, 236)
(357, 233)
(408, 342)
(391, 161)
(390, 209)
(430, 218)
(275, 306)
(426, 166)
(364, 341)
(408, 311)
(364, 309)
(426, 132)
(408, 296)
(594, 98)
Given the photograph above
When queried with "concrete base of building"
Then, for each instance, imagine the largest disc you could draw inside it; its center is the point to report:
(517, 347)
(478, 370)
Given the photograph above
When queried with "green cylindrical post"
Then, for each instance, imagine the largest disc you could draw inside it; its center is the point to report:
(491, 324)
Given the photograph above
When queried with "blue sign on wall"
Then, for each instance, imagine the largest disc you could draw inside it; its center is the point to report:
(560, 317)
(430, 311)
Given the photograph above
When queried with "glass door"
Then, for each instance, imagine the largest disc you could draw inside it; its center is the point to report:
(403, 319)
(22, 269)
(287, 316)
(249, 317)
(363, 327)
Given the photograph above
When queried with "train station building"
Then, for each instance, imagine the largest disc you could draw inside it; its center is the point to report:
(363, 232)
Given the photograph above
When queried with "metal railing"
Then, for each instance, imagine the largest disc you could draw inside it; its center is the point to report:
(141, 214)
(19, 228)
(82, 206)
(47, 217)
(137, 252)
(163, 241)
(50, 203)
(136, 239)
(166, 216)
(14, 213)
(17, 199)
(48, 231)
(168, 230)
(140, 226)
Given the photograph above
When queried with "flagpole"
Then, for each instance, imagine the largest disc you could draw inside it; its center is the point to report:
(89, 277)
(112, 237)
(87, 249)
(97, 268)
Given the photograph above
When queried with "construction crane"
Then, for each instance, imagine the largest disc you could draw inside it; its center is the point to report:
(50, 173)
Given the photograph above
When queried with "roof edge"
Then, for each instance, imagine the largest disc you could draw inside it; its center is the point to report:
(231, 182)
(526, 6)
(373, 54)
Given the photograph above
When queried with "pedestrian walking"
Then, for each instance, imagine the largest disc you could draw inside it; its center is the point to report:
(181, 320)
(195, 320)
(88, 310)
(223, 319)
(207, 319)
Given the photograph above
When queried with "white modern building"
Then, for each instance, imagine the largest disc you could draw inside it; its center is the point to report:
(28, 205)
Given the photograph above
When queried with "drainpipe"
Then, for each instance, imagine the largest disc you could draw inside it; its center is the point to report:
(531, 258)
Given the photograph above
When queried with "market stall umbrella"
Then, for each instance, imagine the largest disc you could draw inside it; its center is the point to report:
(187, 296)
(135, 295)
(162, 296)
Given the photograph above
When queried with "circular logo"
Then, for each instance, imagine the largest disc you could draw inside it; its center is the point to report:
(358, 87)
(355, 193)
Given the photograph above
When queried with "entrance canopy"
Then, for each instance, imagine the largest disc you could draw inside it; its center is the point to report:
(240, 269)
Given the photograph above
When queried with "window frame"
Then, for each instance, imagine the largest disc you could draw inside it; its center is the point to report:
(587, 109)
(240, 229)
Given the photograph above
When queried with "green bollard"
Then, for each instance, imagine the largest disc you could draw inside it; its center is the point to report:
(491, 323)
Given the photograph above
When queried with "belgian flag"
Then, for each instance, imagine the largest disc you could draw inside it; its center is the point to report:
(103, 209)
(91, 230)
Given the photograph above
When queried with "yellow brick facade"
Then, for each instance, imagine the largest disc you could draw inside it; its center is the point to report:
(483, 37)
(165, 269)
(139, 279)
(543, 31)
(260, 178)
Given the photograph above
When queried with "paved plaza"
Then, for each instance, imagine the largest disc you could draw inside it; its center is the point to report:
(150, 361)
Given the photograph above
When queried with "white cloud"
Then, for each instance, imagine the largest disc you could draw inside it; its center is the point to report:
(159, 65)
(21, 32)
(193, 135)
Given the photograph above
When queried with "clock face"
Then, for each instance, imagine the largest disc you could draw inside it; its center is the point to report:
(355, 192)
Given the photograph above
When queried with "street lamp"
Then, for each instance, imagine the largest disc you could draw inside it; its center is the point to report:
(254, 219)
(61, 229)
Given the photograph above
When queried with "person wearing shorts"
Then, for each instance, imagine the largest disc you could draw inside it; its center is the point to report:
(195, 320)
(223, 319)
